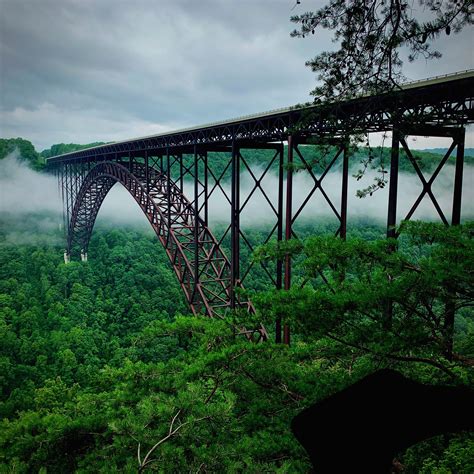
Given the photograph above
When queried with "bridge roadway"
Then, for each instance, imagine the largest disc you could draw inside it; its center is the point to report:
(155, 170)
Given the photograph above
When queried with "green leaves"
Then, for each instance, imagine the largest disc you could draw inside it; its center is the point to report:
(91, 368)
(348, 285)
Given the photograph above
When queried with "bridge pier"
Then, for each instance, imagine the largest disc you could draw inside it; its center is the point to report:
(83, 256)
(67, 258)
(344, 191)
(393, 184)
(288, 224)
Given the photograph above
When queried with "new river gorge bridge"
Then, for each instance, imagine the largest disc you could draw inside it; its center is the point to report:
(179, 178)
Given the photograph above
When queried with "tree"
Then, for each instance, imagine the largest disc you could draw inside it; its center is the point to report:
(61, 148)
(348, 284)
(26, 151)
(370, 35)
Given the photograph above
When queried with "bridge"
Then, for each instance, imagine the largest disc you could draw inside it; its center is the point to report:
(159, 170)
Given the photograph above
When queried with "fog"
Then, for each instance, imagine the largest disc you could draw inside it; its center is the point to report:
(24, 192)
(120, 208)
(257, 210)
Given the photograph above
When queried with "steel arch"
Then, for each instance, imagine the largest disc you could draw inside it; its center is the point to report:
(203, 270)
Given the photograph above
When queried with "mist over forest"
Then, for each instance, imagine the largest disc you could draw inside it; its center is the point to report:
(18, 173)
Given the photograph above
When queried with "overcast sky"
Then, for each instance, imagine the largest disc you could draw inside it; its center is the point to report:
(103, 70)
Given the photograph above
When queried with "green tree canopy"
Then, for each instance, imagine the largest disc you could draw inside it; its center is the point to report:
(26, 151)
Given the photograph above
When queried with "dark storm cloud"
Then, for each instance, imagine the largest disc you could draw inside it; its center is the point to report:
(83, 70)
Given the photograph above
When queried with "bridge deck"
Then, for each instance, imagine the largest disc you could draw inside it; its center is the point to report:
(435, 102)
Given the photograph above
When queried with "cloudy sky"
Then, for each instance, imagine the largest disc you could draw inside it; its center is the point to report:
(89, 70)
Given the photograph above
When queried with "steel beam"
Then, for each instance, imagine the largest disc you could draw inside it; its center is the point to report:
(393, 185)
(450, 310)
(288, 224)
(458, 177)
(196, 218)
(147, 173)
(344, 189)
(206, 190)
(280, 217)
(235, 225)
(168, 186)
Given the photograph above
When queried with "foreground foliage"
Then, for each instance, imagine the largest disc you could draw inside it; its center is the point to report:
(100, 372)
(393, 299)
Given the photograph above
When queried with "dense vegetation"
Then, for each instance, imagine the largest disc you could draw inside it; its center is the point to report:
(27, 152)
(97, 359)
(62, 148)
(25, 149)
(102, 369)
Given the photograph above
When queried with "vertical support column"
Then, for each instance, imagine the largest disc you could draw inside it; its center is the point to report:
(450, 309)
(392, 210)
(279, 263)
(58, 177)
(77, 179)
(457, 195)
(72, 184)
(345, 182)
(69, 201)
(83, 171)
(235, 224)
(206, 190)
(147, 177)
(181, 176)
(63, 198)
(196, 219)
(67, 192)
(393, 185)
(61, 190)
(130, 162)
(288, 224)
(168, 190)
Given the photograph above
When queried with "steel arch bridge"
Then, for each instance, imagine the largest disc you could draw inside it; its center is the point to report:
(210, 162)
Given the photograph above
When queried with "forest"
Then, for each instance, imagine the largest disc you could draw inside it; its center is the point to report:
(103, 369)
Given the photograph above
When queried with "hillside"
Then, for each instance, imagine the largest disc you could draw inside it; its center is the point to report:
(61, 148)
(318, 158)
(25, 149)
(442, 151)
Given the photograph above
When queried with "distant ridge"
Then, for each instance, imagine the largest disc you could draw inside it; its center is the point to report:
(442, 151)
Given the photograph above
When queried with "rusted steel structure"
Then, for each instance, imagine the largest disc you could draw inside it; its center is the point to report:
(157, 169)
